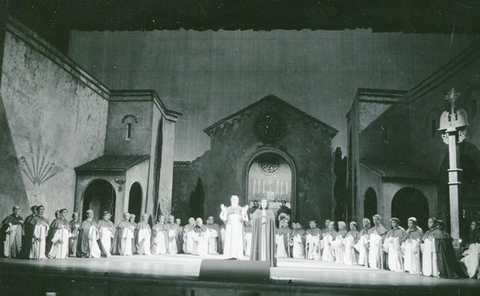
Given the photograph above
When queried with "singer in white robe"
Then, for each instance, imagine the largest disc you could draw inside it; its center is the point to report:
(391, 245)
(351, 238)
(173, 236)
(247, 231)
(124, 233)
(376, 256)
(298, 242)
(327, 242)
(233, 216)
(160, 237)
(282, 239)
(40, 230)
(107, 233)
(58, 238)
(411, 247)
(88, 236)
(144, 236)
(429, 254)
(338, 243)
(312, 245)
(214, 243)
(11, 234)
(188, 234)
(200, 239)
(362, 244)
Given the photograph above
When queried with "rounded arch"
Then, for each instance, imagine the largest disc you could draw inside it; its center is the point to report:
(410, 202)
(135, 200)
(99, 196)
(370, 203)
(289, 160)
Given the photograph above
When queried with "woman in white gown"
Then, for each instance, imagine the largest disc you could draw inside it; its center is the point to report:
(234, 216)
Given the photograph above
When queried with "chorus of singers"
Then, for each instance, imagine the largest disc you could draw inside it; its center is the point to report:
(428, 253)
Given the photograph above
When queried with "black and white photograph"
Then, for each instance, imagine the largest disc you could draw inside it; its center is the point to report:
(239, 148)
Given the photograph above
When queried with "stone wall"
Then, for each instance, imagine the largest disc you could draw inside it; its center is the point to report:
(55, 118)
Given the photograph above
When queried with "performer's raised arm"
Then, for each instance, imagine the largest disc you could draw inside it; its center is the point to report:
(223, 213)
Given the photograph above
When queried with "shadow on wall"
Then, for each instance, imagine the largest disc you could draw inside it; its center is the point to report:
(197, 199)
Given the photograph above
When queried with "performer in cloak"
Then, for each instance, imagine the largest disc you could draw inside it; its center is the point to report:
(39, 238)
(214, 236)
(263, 235)
(327, 242)
(188, 234)
(87, 238)
(313, 239)
(362, 244)
(471, 256)
(106, 230)
(178, 221)
(351, 239)
(160, 237)
(325, 230)
(298, 242)
(172, 230)
(11, 234)
(200, 239)
(233, 216)
(135, 233)
(58, 237)
(429, 255)
(247, 234)
(122, 242)
(282, 239)
(338, 242)
(376, 257)
(448, 266)
(144, 235)
(74, 230)
(411, 247)
(28, 228)
(391, 245)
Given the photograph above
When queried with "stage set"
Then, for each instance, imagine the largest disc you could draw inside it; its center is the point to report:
(182, 275)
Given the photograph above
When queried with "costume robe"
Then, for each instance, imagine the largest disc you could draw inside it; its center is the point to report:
(391, 245)
(188, 234)
(135, 237)
(350, 256)
(298, 244)
(471, 259)
(180, 238)
(122, 242)
(200, 240)
(263, 237)
(73, 240)
(233, 218)
(339, 245)
(87, 240)
(11, 236)
(448, 266)
(106, 231)
(160, 239)
(376, 256)
(58, 239)
(312, 244)
(411, 250)
(247, 241)
(144, 234)
(362, 246)
(282, 239)
(28, 228)
(38, 245)
(214, 238)
(328, 246)
(429, 255)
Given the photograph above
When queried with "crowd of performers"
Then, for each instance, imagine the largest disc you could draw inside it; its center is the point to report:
(428, 253)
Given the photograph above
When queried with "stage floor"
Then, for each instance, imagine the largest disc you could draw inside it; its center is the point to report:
(302, 275)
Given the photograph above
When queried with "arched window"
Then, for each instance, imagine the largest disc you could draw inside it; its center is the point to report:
(129, 120)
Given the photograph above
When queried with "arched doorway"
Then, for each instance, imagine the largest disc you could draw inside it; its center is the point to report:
(99, 196)
(410, 202)
(370, 203)
(135, 201)
(270, 176)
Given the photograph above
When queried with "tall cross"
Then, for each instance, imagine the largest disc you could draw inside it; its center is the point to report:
(452, 97)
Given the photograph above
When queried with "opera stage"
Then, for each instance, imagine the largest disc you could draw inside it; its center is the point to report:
(179, 275)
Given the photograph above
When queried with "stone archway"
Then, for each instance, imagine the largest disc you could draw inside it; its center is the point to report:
(370, 203)
(270, 173)
(99, 196)
(410, 202)
(135, 200)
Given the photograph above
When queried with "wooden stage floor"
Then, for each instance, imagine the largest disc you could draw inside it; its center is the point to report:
(179, 275)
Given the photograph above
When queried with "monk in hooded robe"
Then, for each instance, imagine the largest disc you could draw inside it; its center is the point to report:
(376, 256)
(298, 242)
(328, 243)
(87, 238)
(391, 245)
(313, 239)
(11, 234)
(160, 237)
(411, 247)
(58, 237)
(122, 242)
(263, 235)
(40, 229)
(172, 232)
(106, 230)
(283, 234)
(73, 241)
(214, 240)
(362, 244)
(351, 238)
(28, 233)
(144, 235)
(338, 243)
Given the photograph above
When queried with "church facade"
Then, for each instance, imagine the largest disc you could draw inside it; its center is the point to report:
(269, 149)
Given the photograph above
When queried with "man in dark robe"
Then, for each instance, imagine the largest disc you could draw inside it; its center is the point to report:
(215, 241)
(178, 221)
(74, 227)
(87, 238)
(263, 235)
(106, 230)
(11, 234)
(122, 243)
(58, 235)
(448, 266)
(28, 229)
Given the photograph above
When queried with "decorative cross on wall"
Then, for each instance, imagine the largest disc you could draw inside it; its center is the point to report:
(452, 97)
